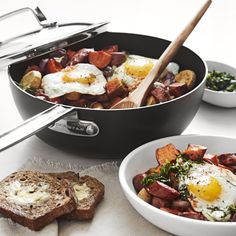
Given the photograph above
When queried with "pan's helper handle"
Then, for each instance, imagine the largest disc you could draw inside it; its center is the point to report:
(37, 13)
(32, 125)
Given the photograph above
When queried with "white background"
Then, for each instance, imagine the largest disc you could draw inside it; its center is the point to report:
(213, 39)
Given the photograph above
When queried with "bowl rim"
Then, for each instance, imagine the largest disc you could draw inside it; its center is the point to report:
(220, 63)
(133, 195)
(219, 92)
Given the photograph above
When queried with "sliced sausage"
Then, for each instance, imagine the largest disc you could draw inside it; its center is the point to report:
(227, 159)
(180, 205)
(80, 57)
(211, 158)
(137, 181)
(161, 190)
(160, 94)
(117, 58)
(233, 217)
(192, 215)
(108, 71)
(195, 152)
(168, 79)
(159, 202)
(177, 89)
(53, 66)
(111, 48)
(170, 210)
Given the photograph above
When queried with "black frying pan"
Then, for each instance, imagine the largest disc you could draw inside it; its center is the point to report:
(114, 131)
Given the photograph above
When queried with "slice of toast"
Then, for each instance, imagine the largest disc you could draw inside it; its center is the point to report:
(88, 191)
(35, 199)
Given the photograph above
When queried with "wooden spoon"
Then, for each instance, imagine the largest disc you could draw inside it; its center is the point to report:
(137, 97)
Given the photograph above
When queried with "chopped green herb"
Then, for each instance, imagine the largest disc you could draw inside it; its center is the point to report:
(220, 81)
(180, 167)
(31, 91)
(232, 209)
(155, 177)
(184, 193)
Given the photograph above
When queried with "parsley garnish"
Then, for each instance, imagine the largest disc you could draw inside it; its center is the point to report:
(180, 168)
(221, 81)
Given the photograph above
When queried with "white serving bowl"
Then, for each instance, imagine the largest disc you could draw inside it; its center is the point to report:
(220, 98)
(143, 158)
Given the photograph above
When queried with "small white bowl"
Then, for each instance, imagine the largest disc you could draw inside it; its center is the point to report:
(220, 98)
(143, 158)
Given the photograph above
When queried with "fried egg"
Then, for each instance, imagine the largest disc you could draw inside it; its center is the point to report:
(82, 78)
(212, 190)
(136, 68)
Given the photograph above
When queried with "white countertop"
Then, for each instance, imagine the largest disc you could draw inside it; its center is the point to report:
(213, 39)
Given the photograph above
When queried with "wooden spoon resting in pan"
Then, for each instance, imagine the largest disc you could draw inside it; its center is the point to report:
(137, 97)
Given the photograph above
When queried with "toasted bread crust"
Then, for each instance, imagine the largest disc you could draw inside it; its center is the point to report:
(86, 207)
(54, 200)
(68, 175)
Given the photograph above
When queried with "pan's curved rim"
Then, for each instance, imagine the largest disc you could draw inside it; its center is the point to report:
(202, 83)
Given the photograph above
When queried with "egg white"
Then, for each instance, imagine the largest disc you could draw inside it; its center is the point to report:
(130, 80)
(120, 71)
(54, 85)
(218, 209)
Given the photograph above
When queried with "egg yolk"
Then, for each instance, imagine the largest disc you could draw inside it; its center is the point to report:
(138, 68)
(208, 192)
(83, 79)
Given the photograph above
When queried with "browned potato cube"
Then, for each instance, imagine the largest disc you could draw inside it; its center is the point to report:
(166, 154)
(73, 96)
(150, 101)
(143, 194)
(96, 105)
(188, 77)
(195, 152)
(115, 88)
(31, 80)
(153, 170)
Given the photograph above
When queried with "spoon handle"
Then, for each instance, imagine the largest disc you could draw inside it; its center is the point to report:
(171, 51)
(137, 97)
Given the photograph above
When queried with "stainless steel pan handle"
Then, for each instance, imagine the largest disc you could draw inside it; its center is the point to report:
(44, 119)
